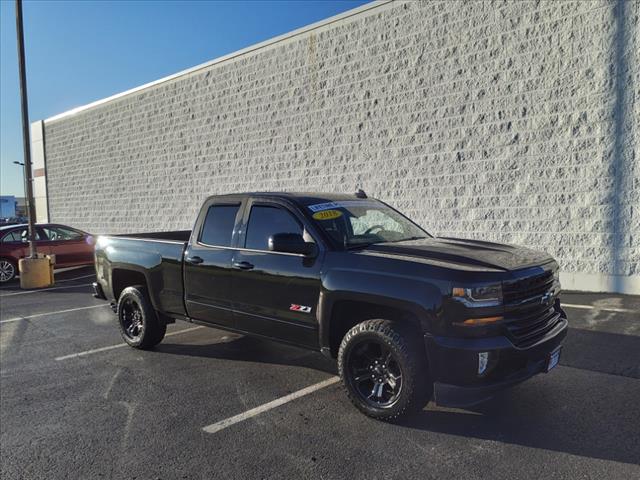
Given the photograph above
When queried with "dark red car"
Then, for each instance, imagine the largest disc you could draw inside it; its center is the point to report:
(71, 246)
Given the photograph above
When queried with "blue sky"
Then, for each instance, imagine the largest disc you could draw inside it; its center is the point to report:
(81, 51)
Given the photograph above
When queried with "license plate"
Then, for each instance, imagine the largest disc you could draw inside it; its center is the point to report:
(554, 358)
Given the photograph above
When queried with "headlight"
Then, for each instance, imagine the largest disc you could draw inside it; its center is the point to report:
(556, 276)
(481, 296)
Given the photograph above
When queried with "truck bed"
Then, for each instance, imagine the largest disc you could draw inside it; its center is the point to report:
(177, 235)
(157, 258)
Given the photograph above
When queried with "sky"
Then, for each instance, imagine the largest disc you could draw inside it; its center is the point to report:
(81, 51)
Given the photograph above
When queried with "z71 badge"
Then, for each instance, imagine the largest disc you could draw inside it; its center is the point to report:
(300, 308)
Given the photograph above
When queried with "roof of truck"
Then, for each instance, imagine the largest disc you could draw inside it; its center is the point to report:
(305, 198)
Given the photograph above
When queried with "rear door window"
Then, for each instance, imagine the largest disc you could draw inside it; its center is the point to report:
(217, 229)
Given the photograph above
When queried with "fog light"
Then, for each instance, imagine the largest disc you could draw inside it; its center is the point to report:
(483, 360)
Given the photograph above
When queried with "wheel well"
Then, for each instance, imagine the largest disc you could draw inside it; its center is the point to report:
(347, 314)
(121, 279)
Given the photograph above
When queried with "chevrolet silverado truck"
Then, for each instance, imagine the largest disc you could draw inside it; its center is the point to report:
(408, 316)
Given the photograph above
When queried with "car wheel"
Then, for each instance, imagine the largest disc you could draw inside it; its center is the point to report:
(384, 370)
(138, 322)
(8, 270)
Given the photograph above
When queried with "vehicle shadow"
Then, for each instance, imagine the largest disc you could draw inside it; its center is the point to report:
(587, 407)
(583, 408)
(604, 352)
(251, 349)
(570, 411)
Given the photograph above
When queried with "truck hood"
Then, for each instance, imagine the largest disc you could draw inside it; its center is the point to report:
(462, 252)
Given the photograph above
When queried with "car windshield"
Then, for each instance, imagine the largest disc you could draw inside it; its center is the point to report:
(356, 223)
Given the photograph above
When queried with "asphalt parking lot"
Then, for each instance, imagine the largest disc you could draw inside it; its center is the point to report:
(75, 403)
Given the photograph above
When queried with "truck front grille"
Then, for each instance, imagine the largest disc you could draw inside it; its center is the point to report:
(527, 330)
(526, 288)
(529, 308)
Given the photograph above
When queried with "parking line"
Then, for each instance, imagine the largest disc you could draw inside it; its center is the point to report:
(111, 347)
(44, 290)
(604, 309)
(16, 319)
(76, 278)
(227, 422)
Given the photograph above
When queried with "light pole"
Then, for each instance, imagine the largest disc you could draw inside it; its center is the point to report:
(24, 186)
(26, 138)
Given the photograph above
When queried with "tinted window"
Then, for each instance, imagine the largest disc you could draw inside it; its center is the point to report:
(60, 233)
(266, 221)
(218, 226)
(16, 236)
(19, 236)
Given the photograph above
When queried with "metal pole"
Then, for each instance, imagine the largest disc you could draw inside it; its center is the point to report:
(26, 138)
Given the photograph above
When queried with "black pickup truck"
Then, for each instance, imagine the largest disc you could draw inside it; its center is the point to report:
(407, 315)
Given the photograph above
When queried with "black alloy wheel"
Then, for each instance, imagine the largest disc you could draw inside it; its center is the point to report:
(374, 373)
(139, 324)
(384, 369)
(132, 319)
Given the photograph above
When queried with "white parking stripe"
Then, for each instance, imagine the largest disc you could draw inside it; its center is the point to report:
(43, 290)
(27, 317)
(604, 309)
(227, 422)
(76, 278)
(111, 347)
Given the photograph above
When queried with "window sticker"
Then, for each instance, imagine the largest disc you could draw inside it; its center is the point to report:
(323, 206)
(318, 207)
(327, 214)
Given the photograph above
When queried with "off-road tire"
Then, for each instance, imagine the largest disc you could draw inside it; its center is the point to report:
(153, 330)
(404, 342)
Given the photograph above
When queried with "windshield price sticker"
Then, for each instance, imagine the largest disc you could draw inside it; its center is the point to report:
(327, 214)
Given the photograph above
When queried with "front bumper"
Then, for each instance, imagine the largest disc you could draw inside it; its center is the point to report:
(454, 365)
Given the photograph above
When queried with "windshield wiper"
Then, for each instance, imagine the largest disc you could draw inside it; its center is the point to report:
(353, 246)
(406, 239)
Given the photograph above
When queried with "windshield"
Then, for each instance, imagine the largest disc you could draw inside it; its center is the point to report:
(353, 223)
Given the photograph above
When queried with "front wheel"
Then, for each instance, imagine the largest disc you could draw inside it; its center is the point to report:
(8, 270)
(384, 370)
(138, 322)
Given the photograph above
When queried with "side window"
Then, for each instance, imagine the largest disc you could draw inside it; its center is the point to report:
(60, 233)
(15, 236)
(218, 225)
(266, 221)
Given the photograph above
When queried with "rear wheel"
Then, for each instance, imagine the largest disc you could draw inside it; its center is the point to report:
(138, 322)
(8, 270)
(384, 370)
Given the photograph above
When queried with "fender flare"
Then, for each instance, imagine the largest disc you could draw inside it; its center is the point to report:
(420, 299)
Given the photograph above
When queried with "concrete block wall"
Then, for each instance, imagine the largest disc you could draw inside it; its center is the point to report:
(511, 121)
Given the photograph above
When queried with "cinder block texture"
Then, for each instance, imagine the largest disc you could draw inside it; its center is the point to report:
(510, 121)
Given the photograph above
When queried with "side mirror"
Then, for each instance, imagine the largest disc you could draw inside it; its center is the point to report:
(291, 243)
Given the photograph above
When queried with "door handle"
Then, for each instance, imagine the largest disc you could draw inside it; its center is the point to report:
(194, 260)
(243, 265)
